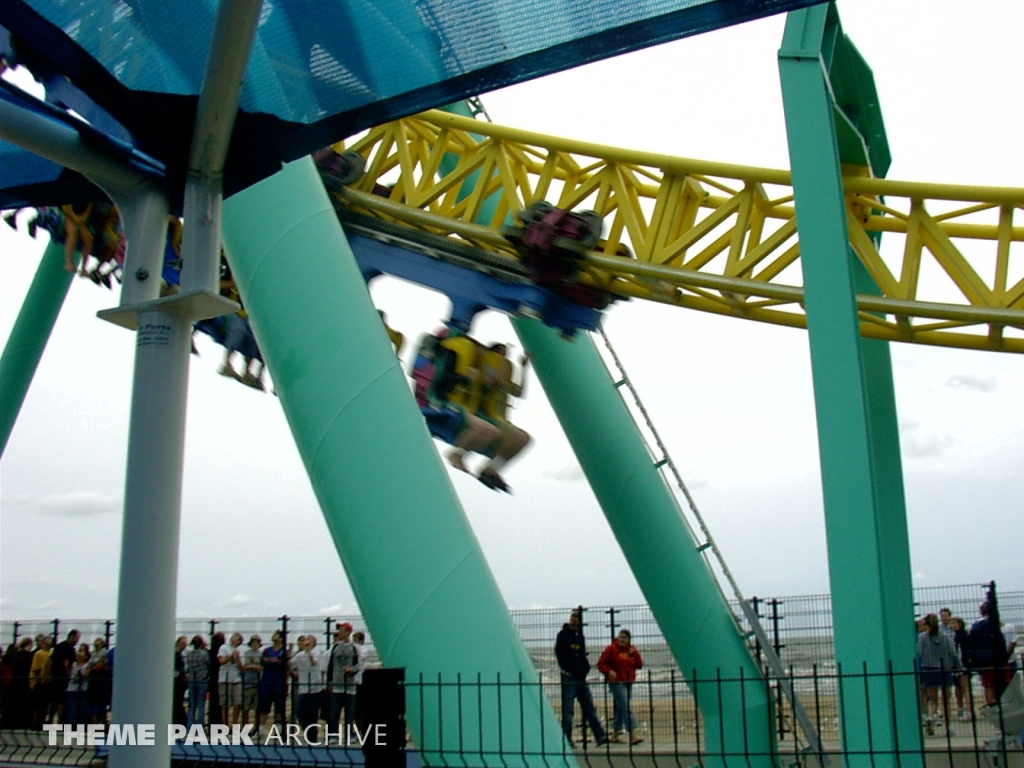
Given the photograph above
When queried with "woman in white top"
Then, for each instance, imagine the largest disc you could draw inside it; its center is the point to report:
(78, 681)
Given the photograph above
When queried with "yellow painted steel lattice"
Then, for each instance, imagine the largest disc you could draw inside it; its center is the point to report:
(712, 236)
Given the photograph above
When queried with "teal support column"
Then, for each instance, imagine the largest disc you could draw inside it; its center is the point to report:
(28, 337)
(692, 614)
(489, 205)
(691, 611)
(428, 596)
(865, 515)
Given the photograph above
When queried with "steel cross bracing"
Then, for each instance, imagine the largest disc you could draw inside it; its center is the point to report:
(670, 474)
(712, 236)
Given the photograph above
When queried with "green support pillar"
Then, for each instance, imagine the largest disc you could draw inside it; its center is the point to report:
(28, 338)
(695, 619)
(489, 204)
(831, 117)
(692, 614)
(428, 596)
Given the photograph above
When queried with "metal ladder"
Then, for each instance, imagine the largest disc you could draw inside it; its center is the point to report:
(709, 549)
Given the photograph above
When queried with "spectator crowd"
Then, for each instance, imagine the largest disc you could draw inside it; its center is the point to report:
(234, 681)
(948, 653)
(224, 681)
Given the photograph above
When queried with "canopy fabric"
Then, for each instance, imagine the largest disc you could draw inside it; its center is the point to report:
(320, 69)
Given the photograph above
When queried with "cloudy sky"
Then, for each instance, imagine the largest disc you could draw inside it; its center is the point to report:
(732, 399)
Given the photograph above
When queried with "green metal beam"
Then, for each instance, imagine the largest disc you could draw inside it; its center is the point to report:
(411, 557)
(31, 331)
(865, 516)
(691, 612)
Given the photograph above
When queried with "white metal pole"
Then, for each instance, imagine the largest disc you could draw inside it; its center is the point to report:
(143, 679)
(230, 48)
(149, 546)
(143, 683)
(148, 581)
(62, 144)
(144, 216)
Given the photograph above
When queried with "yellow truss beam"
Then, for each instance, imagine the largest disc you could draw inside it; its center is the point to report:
(713, 236)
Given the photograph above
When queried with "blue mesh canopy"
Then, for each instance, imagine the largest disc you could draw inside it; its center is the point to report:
(320, 69)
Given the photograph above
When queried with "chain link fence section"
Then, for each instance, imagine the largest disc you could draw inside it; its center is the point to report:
(800, 627)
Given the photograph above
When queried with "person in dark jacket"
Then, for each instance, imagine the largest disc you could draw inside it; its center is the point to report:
(989, 654)
(99, 690)
(571, 652)
(179, 713)
(213, 708)
(961, 638)
(21, 692)
(61, 660)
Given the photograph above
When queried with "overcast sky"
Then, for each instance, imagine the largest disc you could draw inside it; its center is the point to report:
(731, 398)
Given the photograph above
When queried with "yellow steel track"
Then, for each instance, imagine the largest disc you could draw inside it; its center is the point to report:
(712, 236)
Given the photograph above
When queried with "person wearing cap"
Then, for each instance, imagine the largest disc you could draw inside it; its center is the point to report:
(229, 678)
(341, 668)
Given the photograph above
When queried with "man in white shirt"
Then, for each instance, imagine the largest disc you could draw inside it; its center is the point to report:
(340, 668)
(230, 679)
(309, 682)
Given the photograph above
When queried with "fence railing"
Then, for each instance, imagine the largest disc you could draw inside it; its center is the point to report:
(708, 721)
(800, 626)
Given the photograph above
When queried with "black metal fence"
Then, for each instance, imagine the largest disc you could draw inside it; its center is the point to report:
(488, 721)
(800, 626)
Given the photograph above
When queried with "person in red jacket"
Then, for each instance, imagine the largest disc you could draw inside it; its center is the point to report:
(619, 663)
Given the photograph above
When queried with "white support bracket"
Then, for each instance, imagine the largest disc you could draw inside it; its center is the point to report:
(191, 305)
